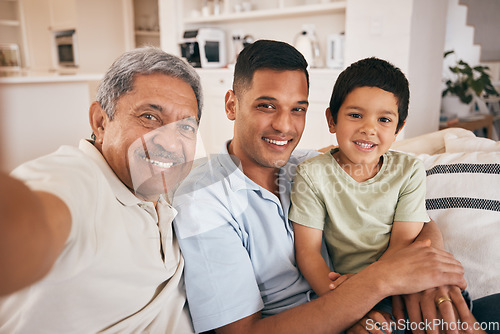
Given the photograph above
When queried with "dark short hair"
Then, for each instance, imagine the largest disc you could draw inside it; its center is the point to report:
(266, 54)
(372, 72)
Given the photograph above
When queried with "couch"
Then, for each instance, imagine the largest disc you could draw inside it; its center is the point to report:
(463, 197)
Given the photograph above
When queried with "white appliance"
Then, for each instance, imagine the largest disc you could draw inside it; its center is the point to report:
(205, 47)
(307, 44)
(335, 51)
(66, 50)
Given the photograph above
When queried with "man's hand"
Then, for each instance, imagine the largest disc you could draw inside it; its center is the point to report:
(419, 267)
(423, 307)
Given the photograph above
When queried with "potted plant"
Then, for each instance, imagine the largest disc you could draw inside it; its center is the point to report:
(466, 87)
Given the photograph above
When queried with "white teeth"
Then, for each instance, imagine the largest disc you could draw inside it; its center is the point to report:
(363, 145)
(159, 163)
(276, 142)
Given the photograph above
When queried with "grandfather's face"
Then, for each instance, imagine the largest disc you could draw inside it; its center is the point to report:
(151, 141)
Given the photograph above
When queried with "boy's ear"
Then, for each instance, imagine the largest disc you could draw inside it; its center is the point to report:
(329, 120)
(230, 105)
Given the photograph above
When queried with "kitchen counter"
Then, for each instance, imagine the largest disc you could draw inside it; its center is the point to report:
(23, 77)
(40, 111)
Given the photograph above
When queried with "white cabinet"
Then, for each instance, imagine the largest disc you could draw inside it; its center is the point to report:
(12, 27)
(146, 23)
(62, 14)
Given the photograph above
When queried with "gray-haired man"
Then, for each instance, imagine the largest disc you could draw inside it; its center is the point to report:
(86, 243)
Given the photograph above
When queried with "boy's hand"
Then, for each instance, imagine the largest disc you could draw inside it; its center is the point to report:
(374, 322)
(337, 279)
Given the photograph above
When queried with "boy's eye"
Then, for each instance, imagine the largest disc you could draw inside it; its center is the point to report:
(385, 120)
(355, 115)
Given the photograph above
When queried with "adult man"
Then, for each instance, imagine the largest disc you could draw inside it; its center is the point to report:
(94, 250)
(232, 225)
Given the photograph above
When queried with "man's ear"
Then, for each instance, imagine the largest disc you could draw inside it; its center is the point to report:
(329, 120)
(98, 121)
(230, 105)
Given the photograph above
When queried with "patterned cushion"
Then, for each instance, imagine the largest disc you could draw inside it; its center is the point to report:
(463, 197)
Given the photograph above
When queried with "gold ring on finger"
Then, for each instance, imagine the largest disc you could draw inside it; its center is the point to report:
(442, 300)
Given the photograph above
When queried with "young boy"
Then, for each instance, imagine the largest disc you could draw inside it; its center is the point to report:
(368, 201)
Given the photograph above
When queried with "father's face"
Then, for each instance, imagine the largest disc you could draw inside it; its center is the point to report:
(269, 117)
(151, 141)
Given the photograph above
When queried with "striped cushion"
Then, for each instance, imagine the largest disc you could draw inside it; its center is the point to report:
(463, 197)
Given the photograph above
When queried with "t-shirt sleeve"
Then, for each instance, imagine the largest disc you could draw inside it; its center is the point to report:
(307, 206)
(411, 201)
(220, 281)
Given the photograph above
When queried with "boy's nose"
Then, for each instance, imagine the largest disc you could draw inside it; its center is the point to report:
(368, 127)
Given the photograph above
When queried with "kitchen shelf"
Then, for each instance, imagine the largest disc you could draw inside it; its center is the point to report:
(10, 23)
(150, 33)
(338, 6)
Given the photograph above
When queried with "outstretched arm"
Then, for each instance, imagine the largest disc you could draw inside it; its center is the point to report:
(33, 229)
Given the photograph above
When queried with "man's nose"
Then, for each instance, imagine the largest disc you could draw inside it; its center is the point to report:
(167, 137)
(282, 121)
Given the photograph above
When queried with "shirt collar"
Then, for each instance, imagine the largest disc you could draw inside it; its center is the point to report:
(239, 181)
(122, 193)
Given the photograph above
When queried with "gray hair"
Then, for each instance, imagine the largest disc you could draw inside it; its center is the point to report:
(119, 78)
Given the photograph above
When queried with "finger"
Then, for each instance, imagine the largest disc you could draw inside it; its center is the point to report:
(338, 281)
(372, 324)
(430, 312)
(333, 275)
(414, 314)
(464, 314)
(382, 320)
(398, 308)
(357, 329)
(447, 311)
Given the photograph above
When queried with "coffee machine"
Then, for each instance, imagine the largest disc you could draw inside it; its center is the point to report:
(204, 47)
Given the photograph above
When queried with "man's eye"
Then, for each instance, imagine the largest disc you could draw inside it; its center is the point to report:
(265, 107)
(300, 109)
(187, 128)
(150, 117)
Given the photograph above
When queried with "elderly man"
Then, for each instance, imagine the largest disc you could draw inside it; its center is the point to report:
(86, 242)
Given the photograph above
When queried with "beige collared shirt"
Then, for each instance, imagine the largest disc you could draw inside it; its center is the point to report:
(121, 269)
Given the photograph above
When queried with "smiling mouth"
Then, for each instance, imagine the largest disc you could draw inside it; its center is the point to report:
(276, 142)
(160, 164)
(364, 145)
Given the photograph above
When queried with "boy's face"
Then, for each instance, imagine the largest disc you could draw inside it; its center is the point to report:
(366, 125)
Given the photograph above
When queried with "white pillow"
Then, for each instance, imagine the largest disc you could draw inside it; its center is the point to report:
(463, 197)
(454, 144)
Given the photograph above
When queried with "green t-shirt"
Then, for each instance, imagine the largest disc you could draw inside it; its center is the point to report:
(357, 217)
